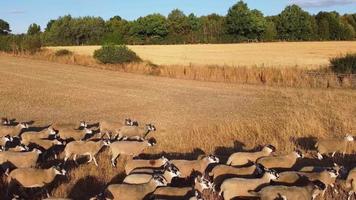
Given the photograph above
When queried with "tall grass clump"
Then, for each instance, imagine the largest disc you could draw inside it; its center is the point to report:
(63, 52)
(344, 64)
(111, 54)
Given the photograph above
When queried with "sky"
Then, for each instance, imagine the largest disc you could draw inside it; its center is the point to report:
(21, 13)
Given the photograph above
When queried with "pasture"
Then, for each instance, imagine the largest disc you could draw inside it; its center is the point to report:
(192, 117)
(278, 54)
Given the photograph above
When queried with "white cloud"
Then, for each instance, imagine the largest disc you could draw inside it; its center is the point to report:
(16, 12)
(321, 3)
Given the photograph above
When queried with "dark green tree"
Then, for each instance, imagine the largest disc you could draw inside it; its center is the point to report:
(34, 29)
(150, 28)
(295, 24)
(4, 27)
(244, 23)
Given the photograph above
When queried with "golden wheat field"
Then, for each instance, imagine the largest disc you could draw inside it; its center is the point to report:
(278, 54)
(192, 117)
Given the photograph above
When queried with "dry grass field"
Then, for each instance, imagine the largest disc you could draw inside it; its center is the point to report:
(278, 54)
(191, 116)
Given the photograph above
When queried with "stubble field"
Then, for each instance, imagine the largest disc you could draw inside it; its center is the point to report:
(190, 116)
(278, 54)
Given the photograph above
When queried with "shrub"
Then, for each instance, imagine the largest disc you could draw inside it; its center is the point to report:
(115, 55)
(63, 52)
(31, 44)
(344, 64)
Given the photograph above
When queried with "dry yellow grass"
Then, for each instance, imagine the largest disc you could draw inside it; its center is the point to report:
(271, 76)
(191, 116)
(279, 54)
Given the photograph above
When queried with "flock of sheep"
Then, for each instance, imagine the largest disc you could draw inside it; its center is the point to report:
(259, 174)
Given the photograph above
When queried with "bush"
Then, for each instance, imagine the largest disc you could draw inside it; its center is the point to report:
(63, 52)
(31, 44)
(115, 55)
(345, 64)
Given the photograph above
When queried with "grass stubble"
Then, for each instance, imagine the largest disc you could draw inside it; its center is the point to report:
(192, 117)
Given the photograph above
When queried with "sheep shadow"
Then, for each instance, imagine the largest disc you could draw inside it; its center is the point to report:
(224, 152)
(196, 153)
(305, 143)
(36, 128)
(86, 187)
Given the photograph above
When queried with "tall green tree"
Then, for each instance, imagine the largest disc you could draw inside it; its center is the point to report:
(178, 23)
(150, 28)
(245, 23)
(34, 29)
(295, 24)
(118, 30)
(4, 27)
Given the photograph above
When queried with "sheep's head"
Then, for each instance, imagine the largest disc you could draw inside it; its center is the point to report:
(5, 121)
(349, 138)
(24, 147)
(151, 142)
(273, 174)
(298, 154)
(270, 148)
(8, 138)
(23, 125)
(332, 172)
(83, 124)
(159, 180)
(213, 159)
(173, 170)
(151, 127)
(59, 170)
(37, 151)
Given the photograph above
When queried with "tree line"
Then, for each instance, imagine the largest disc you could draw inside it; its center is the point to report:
(240, 24)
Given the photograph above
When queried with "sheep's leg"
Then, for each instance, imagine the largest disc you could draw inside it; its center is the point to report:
(66, 157)
(320, 157)
(90, 157)
(333, 154)
(350, 195)
(75, 159)
(94, 159)
(113, 159)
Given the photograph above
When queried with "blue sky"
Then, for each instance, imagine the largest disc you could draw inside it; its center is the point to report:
(21, 13)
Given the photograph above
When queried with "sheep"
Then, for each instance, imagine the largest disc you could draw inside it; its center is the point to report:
(12, 130)
(20, 159)
(19, 148)
(135, 131)
(168, 173)
(81, 148)
(74, 134)
(200, 184)
(351, 183)
(332, 146)
(5, 121)
(4, 140)
(45, 144)
(221, 170)
(283, 161)
(33, 178)
(244, 158)
(133, 164)
(135, 192)
(328, 177)
(27, 137)
(307, 192)
(187, 167)
(197, 196)
(130, 148)
(111, 127)
(240, 187)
